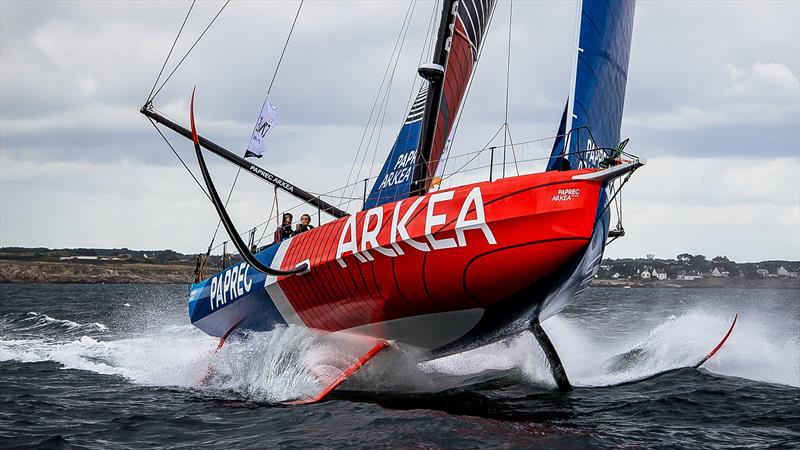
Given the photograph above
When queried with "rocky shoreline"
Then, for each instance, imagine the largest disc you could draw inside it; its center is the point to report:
(93, 272)
(96, 272)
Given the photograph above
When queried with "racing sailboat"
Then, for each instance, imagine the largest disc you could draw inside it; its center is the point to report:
(444, 270)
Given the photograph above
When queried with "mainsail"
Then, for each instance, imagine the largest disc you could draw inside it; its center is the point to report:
(416, 153)
(601, 72)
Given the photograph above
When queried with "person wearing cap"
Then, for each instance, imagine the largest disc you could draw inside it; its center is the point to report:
(304, 225)
(284, 231)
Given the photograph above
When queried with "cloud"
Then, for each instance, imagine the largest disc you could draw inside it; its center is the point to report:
(745, 208)
(712, 98)
(761, 94)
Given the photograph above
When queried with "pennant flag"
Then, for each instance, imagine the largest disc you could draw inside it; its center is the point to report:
(266, 120)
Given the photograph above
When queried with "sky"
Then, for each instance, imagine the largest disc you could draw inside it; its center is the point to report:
(712, 103)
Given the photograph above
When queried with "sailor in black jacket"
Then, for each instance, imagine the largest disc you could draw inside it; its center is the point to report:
(285, 230)
(304, 225)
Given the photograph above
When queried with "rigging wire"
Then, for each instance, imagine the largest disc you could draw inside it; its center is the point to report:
(466, 95)
(475, 154)
(507, 130)
(269, 89)
(425, 46)
(389, 89)
(179, 158)
(163, 66)
(152, 95)
(619, 190)
(395, 51)
(189, 51)
(272, 207)
(478, 153)
(424, 52)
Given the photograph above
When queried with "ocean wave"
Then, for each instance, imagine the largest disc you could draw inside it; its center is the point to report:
(290, 362)
(756, 350)
(33, 322)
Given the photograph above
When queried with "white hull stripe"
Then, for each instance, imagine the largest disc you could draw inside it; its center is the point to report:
(276, 293)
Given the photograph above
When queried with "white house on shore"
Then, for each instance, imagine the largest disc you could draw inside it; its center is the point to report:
(659, 275)
(719, 273)
(645, 275)
(689, 277)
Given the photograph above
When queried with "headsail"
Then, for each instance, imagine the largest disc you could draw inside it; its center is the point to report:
(411, 165)
(394, 181)
(601, 73)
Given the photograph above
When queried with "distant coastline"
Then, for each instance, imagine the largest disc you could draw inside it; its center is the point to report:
(95, 266)
(82, 272)
(719, 283)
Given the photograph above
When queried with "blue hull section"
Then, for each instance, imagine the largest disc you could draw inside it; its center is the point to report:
(235, 297)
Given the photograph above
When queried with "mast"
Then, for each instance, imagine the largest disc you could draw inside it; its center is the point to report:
(302, 194)
(434, 73)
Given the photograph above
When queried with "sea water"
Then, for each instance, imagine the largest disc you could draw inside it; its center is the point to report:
(119, 366)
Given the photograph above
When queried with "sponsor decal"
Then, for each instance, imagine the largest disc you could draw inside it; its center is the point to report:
(565, 195)
(230, 285)
(592, 156)
(288, 187)
(401, 172)
(359, 241)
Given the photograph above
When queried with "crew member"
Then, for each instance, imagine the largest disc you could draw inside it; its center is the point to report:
(304, 225)
(285, 230)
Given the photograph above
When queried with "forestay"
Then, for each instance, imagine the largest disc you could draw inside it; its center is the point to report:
(601, 72)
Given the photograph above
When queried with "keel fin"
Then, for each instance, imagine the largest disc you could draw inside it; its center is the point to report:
(344, 376)
(719, 346)
(556, 367)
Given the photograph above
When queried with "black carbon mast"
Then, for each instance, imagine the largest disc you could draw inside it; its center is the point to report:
(434, 73)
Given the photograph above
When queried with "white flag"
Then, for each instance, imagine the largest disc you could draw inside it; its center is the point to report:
(266, 120)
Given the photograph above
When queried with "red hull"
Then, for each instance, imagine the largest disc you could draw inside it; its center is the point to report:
(451, 258)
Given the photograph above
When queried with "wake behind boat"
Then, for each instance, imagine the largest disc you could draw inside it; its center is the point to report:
(441, 269)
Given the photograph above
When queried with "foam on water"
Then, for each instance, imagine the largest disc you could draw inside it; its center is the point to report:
(284, 364)
(290, 363)
(755, 350)
(35, 320)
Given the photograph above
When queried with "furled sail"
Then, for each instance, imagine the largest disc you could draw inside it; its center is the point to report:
(418, 148)
(600, 76)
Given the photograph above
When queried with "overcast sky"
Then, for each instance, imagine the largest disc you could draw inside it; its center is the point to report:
(713, 103)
